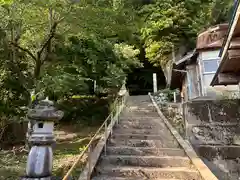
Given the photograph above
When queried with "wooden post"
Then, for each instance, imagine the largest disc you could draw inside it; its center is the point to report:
(154, 82)
(189, 86)
(94, 85)
(209, 114)
(173, 54)
(183, 104)
(174, 97)
(238, 90)
(89, 162)
(105, 145)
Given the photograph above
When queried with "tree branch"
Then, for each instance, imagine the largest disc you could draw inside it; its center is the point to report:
(24, 50)
(48, 40)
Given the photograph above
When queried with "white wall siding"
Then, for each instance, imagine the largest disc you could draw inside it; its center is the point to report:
(205, 55)
(206, 77)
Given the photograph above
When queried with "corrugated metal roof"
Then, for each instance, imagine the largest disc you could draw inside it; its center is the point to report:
(186, 57)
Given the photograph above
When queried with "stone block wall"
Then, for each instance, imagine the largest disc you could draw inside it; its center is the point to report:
(213, 128)
(209, 120)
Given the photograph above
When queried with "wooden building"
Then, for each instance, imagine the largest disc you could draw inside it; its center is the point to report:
(194, 72)
(228, 72)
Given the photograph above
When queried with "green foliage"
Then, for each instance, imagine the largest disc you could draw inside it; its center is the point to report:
(170, 23)
(77, 110)
(166, 95)
(221, 11)
(6, 2)
(59, 48)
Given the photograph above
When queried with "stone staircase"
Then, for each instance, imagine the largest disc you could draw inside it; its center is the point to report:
(142, 147)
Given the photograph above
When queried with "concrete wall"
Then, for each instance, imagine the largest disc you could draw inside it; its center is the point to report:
(213, 128)
(212, 121)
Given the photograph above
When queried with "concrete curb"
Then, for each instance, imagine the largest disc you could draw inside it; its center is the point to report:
(197, 162)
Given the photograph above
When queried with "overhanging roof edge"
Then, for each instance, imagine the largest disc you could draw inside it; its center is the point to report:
(225, 47)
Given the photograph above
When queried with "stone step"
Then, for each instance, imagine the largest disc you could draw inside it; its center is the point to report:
(182, 173)
(142, 109)
(146, 161)
(144, 151)
(121, 178)
(139, 125)
(226, 152)
(139, 115)
(143, 143)
(139, 118)
(142, 136)
(161, 131)
(143, 122)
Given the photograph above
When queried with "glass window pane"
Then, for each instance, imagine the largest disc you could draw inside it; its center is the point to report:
(210, 65)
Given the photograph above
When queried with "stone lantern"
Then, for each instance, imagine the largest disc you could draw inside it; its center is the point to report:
(40, 158)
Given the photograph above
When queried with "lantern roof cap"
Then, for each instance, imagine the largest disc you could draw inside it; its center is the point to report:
(45, 111)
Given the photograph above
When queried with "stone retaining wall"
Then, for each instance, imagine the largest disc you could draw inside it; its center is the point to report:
(210, 120)
(213, 128)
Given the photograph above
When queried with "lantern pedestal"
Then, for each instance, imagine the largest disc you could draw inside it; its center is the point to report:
(40, 158)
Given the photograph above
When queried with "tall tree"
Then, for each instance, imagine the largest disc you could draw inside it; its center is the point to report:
(37, 32)
(170, 23)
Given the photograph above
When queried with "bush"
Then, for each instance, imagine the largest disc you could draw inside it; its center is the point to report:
(165, 95)
(89, 110)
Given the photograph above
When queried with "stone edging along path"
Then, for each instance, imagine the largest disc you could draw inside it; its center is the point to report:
(197, 162)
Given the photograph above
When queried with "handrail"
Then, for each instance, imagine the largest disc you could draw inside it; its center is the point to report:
(84, 151)
(115, 103)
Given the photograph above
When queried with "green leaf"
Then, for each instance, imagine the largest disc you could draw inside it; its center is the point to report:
(6, 2)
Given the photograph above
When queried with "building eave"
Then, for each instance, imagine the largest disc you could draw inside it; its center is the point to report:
(186, 58)
(227, 42)
(236, 7)
(177, 77)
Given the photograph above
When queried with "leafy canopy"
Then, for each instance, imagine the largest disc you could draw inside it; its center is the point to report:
(169, 24)
(58, 48)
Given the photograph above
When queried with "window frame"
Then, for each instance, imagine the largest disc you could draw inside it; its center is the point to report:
(212, 59)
